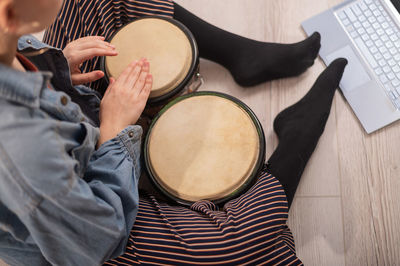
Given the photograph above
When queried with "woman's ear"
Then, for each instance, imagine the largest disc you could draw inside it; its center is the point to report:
(8, 18)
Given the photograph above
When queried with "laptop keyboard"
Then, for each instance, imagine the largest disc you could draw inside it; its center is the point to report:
(378, 39)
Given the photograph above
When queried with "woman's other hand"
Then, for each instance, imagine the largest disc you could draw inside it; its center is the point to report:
(84, 49)
(124, 99)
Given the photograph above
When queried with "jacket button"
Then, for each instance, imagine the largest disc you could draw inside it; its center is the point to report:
(64, 100)
(131, 134)
(29, 41)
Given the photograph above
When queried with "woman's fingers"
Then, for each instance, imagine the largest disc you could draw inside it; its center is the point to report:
(144, 94)
(122, 79)
(81, 56)
(93, 44)
(140, 81)
(78, 79)
(87, 39)
(134, 75)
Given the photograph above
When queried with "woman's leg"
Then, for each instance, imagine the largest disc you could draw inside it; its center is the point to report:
(250, 62)
(250, 230)
(300, 126)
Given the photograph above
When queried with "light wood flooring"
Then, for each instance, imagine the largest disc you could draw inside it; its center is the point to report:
(346, 211)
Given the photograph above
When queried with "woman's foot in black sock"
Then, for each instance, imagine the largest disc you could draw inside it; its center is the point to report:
(257, 62)
(250, 62)
(300, 126)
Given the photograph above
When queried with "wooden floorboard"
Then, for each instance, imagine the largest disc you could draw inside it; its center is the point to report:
(346, 211)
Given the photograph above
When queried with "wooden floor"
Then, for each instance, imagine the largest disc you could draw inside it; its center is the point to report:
(347, 207)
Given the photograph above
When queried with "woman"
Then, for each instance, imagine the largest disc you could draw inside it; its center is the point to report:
(68, 189)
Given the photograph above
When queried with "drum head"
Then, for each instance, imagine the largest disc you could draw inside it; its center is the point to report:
(203, 147)
(165, 46)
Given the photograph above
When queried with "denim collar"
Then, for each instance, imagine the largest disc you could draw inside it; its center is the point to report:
(22, 87)
(30, 42)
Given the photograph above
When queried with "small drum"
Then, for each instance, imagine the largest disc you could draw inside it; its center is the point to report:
(204, 145)
(169, 47)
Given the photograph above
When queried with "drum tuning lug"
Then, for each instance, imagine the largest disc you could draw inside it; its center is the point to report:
(198, 81)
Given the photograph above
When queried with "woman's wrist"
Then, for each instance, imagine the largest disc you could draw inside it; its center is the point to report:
(108, 132)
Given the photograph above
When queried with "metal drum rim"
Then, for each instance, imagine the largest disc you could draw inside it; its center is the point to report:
(257, 169)
(193, 67)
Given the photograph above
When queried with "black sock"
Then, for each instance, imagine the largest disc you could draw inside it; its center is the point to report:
(300, 126)
(250, 62)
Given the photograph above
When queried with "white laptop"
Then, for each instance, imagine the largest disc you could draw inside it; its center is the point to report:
(367, 33)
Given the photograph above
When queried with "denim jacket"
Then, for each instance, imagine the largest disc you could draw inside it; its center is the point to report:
(62, 201)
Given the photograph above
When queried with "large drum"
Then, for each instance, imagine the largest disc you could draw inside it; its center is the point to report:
(169, 47)
(205, 145)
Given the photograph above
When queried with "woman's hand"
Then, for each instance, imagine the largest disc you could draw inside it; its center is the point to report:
(124, 100)
(84, 49)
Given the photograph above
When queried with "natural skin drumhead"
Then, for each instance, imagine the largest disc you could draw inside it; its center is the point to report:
(165, 46)
(203, 147)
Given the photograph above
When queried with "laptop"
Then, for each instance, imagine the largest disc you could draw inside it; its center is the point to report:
(367, 33)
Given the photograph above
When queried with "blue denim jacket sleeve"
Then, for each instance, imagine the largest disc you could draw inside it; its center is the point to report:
(73, 221)
(59, 195)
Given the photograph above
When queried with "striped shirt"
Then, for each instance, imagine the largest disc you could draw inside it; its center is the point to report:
(248, 230)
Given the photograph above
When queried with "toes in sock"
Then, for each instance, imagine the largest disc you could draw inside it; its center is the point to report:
(257, 62)
(300, 126)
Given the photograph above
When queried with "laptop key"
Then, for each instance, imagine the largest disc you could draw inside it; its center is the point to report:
(387, 56)
(391, 95)
(396, 69)
(393, 50)
(373, 7)
(364, 50)
(389, 45)
(397, 103)
(372, 19)
(350, 15)
(373, 50)
(378, 71)
(377, 56)
(382, 49)
(356, 10)
(342, 15)
(362, 6)
(383, 78)
(346, 22)
(350, 28)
